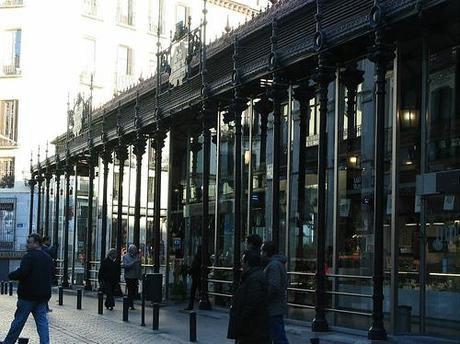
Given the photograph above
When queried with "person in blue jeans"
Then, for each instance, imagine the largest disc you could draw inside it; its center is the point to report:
(35, 275)
(277, 279)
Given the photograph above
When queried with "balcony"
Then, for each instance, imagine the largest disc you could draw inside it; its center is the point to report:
(90, 8)
(11, 3)
(11, 70)
(125, 19)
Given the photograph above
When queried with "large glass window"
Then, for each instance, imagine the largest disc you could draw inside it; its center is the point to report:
(6, 172)
(125, 69)
(156, 18)
(125, 12)
(8, 122)
(10, 43)
(7, 223)
(88, 60)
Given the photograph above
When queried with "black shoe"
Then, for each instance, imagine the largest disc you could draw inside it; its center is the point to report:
(132, 308)
(110, 308)
(189, 308)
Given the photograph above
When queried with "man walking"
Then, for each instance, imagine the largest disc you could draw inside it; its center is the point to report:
(34, 290)
(276, 275)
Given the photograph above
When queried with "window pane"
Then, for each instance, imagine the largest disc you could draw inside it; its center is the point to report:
(6, 172)
(8, 122)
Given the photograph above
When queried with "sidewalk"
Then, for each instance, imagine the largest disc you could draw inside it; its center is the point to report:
(69, 325)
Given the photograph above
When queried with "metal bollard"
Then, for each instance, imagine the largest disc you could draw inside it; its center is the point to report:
(100, 302)
(143, 308)
(23, 340)
(79, 299)
(125, 308)
(2, 288)
(156, 317)
(61, 296)
(193, 326)
(11, 288)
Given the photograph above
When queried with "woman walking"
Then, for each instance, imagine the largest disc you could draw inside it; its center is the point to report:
(132, 266)
(108, 277)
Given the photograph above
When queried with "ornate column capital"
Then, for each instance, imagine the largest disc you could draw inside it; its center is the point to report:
(158, 136)
(351, 77)
(121, 152)
(106, 155)
(264, 106)
(303, 93)
(32, 182)
(139, 145)
(324, 73)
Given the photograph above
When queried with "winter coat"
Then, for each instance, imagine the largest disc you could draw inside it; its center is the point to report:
(277, 278)
(35, 276)
(108, 272)
(248, 316)
(132, 266)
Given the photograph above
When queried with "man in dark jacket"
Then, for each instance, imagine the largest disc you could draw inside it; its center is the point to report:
(34, 290)
(253, 243)
(275, 272)
(248, 322)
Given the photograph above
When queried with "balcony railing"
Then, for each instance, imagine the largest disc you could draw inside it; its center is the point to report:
(10, 70)
(90, 7)
(11, 3)
(125, 19)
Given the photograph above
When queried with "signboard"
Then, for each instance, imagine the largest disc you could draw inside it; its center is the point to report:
(78, 116)
(178, 63)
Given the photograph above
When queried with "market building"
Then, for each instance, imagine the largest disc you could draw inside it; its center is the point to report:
(332, 130)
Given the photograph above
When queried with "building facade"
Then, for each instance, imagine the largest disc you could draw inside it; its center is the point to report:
(332, 131)
(81, 50)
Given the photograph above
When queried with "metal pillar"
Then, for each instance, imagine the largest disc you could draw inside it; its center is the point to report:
(106, 159)
(56, 209)
(158, 143)
(48, 177)
(138, 150)
(381, 54)
(122, 154)
(65, 272)
(323, 75)
(89, 222)
(237, 108)
(40, 180)
(32, 183)
(204, 298)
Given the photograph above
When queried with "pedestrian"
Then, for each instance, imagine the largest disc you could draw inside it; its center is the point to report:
(46, 246)
(195, 273)
(34, 290)
(108, 277)
(133, 272)
(248, 322)
(275, 272)
(253, 243)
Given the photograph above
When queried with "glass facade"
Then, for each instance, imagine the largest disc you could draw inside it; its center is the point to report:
(421, 229)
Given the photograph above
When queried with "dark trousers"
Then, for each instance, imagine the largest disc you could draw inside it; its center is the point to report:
(108, 289)
(196, 285)
(132, 285)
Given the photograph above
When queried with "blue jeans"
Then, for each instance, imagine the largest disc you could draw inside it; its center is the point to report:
(24, 308)
(277, 333)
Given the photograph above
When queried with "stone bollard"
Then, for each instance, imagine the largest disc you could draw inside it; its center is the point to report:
(143, 308)
(156, 317)
(79, 295)
(193, 326)
(61, 296)
(100, 302)
(125, 308)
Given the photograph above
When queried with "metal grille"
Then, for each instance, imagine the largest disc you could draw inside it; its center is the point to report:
(7, 223)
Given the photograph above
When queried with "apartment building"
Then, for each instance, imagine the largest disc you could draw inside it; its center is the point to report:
(52, 52)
